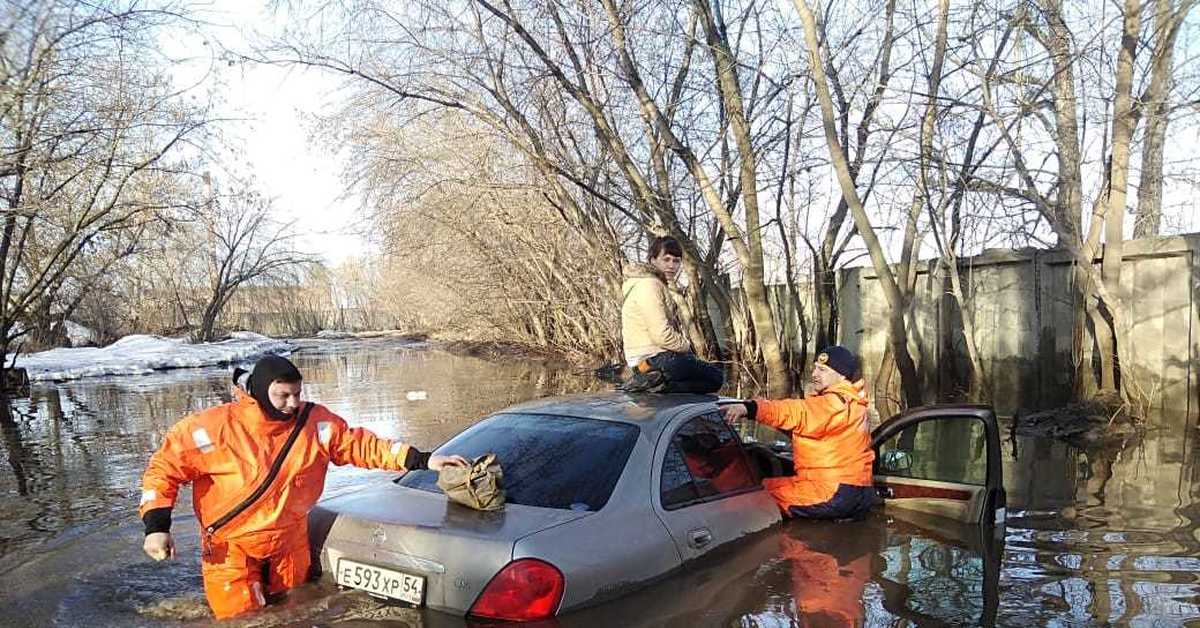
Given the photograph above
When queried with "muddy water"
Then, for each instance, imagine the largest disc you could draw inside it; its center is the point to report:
(1100, 537)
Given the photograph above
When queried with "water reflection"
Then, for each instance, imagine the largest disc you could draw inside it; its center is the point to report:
(827, 569)
(937, 572)
(1108, 535)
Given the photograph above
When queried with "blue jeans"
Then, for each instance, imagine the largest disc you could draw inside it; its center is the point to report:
(686, 373)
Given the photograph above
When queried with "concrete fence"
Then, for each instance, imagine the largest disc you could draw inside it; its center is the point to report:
(1021, 303)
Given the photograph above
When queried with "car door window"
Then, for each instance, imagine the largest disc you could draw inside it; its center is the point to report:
(704, 460)
(939, 450)
(678, 487)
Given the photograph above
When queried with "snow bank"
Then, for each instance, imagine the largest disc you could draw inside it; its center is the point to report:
(140, 354)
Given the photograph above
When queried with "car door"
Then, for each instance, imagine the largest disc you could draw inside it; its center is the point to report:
(942, 460)
(707, 492)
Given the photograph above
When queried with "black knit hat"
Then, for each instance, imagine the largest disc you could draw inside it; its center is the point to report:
(257, 382)
(839, 359)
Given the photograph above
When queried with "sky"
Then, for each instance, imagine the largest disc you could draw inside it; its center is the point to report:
(274, 104)
(271, 108)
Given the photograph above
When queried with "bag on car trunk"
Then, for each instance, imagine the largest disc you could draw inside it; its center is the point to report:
(479, 486)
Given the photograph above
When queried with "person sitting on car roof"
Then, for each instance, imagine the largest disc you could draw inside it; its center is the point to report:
(831, 441)
(257, 466)
(652, 335)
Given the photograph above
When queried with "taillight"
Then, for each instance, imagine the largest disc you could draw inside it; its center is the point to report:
(524, 590)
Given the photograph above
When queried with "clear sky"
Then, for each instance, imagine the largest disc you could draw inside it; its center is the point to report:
(303, 177)
(272, 108)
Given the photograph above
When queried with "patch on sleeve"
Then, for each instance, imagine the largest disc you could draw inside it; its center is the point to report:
(149, 495)
(201, 439)
(324, 432)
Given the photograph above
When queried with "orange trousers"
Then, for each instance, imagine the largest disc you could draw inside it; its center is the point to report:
(233, 580)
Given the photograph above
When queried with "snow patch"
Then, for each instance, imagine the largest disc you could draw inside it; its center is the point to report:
(141, 353)
(79, 335)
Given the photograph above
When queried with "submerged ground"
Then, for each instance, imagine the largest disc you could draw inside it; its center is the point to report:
(1095, 537)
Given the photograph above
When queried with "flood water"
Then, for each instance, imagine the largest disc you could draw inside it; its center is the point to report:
(1094, 538)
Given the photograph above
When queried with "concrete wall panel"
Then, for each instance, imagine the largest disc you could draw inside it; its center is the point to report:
(1022, 304)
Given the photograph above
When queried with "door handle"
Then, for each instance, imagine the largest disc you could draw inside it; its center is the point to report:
(699, 537)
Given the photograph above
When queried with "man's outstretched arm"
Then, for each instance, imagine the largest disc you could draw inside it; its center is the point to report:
(362, 448)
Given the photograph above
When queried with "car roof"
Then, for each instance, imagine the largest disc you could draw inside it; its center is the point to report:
(651, 411)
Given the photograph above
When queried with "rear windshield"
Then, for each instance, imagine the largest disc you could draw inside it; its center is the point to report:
(548, 461)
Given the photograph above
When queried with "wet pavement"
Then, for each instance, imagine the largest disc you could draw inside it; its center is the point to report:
(1094, 538)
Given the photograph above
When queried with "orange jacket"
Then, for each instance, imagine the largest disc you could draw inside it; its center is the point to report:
(227, 451)
(831, 439)
(723, 467)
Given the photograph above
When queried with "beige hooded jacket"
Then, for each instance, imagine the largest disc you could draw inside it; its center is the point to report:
(650, 321)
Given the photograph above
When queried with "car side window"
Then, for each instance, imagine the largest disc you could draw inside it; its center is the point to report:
(940, 450)
(704, 460)
(678, 487)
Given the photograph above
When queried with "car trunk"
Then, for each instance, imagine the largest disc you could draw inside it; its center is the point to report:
(456, 549)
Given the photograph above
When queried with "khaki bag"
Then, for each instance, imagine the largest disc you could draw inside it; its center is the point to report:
(479, 486)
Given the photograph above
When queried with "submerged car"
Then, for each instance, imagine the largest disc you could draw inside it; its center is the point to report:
(609, 492)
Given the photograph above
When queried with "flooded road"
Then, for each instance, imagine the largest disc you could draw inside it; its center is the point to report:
(1103, 537)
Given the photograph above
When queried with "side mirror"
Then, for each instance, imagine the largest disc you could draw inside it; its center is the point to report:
(896, 460)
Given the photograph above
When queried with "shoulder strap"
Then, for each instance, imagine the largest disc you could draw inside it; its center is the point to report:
(266, 483)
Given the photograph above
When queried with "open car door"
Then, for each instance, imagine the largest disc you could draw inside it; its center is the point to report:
(942, 460)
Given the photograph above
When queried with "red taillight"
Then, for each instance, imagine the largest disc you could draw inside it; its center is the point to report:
(524, 590)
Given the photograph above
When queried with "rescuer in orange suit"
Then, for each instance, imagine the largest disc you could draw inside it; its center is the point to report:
(228, 452)
(831, 441)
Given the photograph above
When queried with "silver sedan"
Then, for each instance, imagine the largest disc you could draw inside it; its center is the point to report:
(609, 492)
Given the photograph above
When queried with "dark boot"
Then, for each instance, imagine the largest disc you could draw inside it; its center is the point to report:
(648, 381)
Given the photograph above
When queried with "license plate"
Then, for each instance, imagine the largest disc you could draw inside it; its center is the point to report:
(380, 581)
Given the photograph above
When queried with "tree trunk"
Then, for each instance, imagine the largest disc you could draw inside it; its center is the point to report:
(897, 302)
(1066, 215)
(746, 249)
(45, 330)
(1148, 220)
(975, 389)
(825, 260)
(208, 322)
(757, 298)
(1114, 238)
(825, 305)
(1068, 210)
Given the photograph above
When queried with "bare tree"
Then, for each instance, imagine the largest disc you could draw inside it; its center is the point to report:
(976, 124)
(835, 238)
(893, 289)
(239, 244)
(86, 120)
(1155, 105)
(638, 163)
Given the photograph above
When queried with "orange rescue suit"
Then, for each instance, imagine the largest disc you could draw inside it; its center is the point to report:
(226, 452)
(831, 443)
